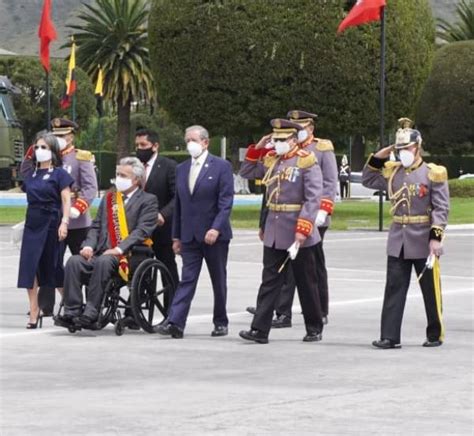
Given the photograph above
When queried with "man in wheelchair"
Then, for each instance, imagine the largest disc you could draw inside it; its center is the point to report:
(126, 218)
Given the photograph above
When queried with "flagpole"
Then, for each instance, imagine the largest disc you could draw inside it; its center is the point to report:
(382, 102)
(48, 102)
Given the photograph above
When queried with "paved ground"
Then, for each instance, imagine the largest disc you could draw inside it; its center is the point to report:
(94, 383)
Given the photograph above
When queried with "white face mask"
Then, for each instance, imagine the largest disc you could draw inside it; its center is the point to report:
(122, 183)
(406, 158)
(43, 155)
(302, 136)
(62, 143)
(282, 147)
(194, 148)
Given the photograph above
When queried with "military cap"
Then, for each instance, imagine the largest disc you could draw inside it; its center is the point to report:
(62, 126)
(283, 129)
(404, 122)
(407, 137)
(301, 117)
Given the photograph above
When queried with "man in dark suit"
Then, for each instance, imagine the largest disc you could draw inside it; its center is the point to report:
(201, 230)
(103, 251)
(160, 181)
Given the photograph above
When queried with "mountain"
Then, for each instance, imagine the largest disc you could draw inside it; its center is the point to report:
(19, 21)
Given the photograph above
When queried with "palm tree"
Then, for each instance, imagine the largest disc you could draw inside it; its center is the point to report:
(463, 29)
(113, 34)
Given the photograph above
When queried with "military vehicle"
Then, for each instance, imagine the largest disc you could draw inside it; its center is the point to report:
(11, 135)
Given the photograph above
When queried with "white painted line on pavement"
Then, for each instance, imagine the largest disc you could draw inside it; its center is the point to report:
(208, 317)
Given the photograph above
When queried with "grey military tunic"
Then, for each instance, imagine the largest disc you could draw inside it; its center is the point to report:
(420, 203)
(324, 151)
(294, 189)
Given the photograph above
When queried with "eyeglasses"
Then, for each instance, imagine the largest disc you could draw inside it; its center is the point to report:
(43, 147)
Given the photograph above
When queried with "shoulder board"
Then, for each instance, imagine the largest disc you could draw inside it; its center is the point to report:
(324, 145)
(83, 155)
(270, 159)
(389, 167)
(437, 173)
(306, 159)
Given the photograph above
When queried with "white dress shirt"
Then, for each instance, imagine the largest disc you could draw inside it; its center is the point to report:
(196, 167)
(149, 165)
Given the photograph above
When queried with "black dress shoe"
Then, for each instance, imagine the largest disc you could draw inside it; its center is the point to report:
(130, 323)
(313, 337)
(385, 344)
(252, 310)
(254, 335)
(432, 343)
(65, 321)
(325, 319)
(168, 329)
(281, 322)
(84, 321)
(220, 330)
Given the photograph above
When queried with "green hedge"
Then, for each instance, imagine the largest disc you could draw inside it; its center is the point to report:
(461, 188)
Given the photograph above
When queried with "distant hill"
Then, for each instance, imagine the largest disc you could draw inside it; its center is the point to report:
(19, 21)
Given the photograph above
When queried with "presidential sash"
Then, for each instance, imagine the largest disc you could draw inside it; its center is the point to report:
(117, 226)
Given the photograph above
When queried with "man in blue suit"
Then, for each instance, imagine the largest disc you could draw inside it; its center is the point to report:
(201, 230)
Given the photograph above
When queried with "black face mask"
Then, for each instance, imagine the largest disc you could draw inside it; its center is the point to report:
(145, 154)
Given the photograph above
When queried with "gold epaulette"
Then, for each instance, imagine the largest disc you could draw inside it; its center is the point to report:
(437, 173)
(270, 159)
(83, 155)
(389, 167)
(324, 145)
(306, 159)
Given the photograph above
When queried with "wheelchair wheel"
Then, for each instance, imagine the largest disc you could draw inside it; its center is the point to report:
(108, 306)
(152, 285)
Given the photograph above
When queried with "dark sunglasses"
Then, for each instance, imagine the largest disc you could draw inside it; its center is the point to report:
(44, 147)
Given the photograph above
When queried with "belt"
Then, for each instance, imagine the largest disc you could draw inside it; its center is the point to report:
(411, 219)
(284, 207)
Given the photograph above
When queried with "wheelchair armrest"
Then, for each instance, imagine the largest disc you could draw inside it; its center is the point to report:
(142, 250)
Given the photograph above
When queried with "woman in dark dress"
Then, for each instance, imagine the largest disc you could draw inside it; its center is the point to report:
(49, 201)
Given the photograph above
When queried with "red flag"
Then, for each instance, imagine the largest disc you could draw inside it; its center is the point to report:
(46, 33)
(362, 12)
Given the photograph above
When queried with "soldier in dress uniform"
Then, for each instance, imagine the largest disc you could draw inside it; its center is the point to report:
(79, 164)
(420, 203)
(324, 152)
(293, 193)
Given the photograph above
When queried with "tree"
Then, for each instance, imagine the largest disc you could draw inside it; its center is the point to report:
(113, 34)
(232, 65)
(30, 106)
(446, 110)
(461, 30)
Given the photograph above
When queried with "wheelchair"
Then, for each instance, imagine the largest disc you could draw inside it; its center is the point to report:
(151, 290)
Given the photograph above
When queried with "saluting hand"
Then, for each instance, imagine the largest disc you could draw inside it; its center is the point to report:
(263, 141)
(384, 153)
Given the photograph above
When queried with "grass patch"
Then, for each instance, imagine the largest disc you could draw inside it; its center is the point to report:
(348, 214)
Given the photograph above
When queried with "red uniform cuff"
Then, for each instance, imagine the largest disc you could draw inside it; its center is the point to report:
(81, 205)
(327, 205)
(253, 154)
(305, 227)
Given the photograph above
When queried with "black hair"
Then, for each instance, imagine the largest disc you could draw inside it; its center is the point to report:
(53, 144)
(152, 135)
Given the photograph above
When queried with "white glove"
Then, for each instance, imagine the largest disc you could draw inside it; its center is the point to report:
(74, 213)
(321, 217)
(293, 250)
(430, 261)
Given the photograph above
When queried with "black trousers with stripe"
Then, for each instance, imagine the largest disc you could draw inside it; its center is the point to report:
(287, 294)
(396, 288)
